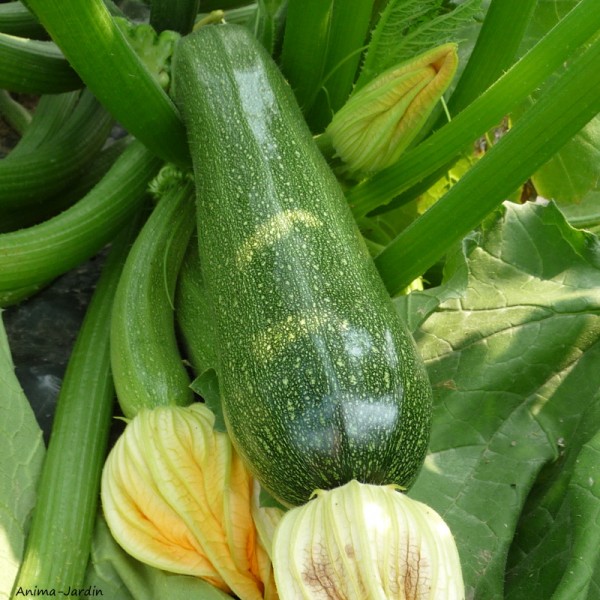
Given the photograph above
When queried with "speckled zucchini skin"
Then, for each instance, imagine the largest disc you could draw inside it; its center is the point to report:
(321, 382)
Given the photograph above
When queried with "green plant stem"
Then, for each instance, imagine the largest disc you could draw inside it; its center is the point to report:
(266, 21)
(36, 213)
(444, 146)
(34, 67)
(12, 297)
(305, 47)
(495, 50)
(51, 115)
(210, 5)
(39, 253)
(59, 541)
(17, 19)
(14, 113)
(98, 51)
(28, 178)
(349, 27)
(175, 15)
(507, 165)
(320, 53)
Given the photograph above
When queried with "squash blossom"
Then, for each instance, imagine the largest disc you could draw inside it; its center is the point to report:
(266, 520)
(363, 541)
(380, 120)
(177, 496)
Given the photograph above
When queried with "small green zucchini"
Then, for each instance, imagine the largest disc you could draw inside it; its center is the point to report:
(147, 367)
(193, 313)
(321, 383)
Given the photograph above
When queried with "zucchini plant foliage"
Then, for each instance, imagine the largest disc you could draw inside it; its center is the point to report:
(510, 333)
(511, 341)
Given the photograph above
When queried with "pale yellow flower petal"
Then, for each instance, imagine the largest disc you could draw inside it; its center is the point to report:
(266, 519)
(132, 505)
(177, 496)
(363, 541)
(379, 121)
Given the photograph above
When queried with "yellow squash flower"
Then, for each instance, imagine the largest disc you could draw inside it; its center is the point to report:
(177, 496)
(380, 120)
(266, 520)
(360, 542)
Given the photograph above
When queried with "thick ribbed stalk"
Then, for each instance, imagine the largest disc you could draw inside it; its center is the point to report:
(50, 117)
(175, 15)
(320, 51)
(39, 253)
(541, 132)
(59, 540)
(29, 177)
(34, 67)
(17, 19)
(15, 114)
(36, 213)
(495, 50)
(98, 51)
(520, 81)
(11, 297)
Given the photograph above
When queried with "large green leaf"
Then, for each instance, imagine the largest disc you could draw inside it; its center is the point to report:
(407, 28)
(21, 457)
(556, 552)
(511, 343)
(572, 176)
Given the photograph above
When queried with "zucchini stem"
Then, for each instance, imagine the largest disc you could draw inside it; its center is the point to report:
(99, 52)
(59, 540)
(40, 253)
(30, 177)
(14, 113)
(34, 67)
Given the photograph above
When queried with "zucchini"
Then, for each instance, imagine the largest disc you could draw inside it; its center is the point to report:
(193, 313)
(321, 383)
(146, 364)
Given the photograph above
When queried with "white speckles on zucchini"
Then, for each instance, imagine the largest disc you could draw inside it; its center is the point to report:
(321, 382)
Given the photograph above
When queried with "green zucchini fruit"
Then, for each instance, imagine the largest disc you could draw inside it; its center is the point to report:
(193, 313)
(147, 367)
(321, 383)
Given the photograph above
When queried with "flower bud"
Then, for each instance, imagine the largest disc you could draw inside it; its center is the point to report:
(177, 496)
(380, 120)
(363, 541)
